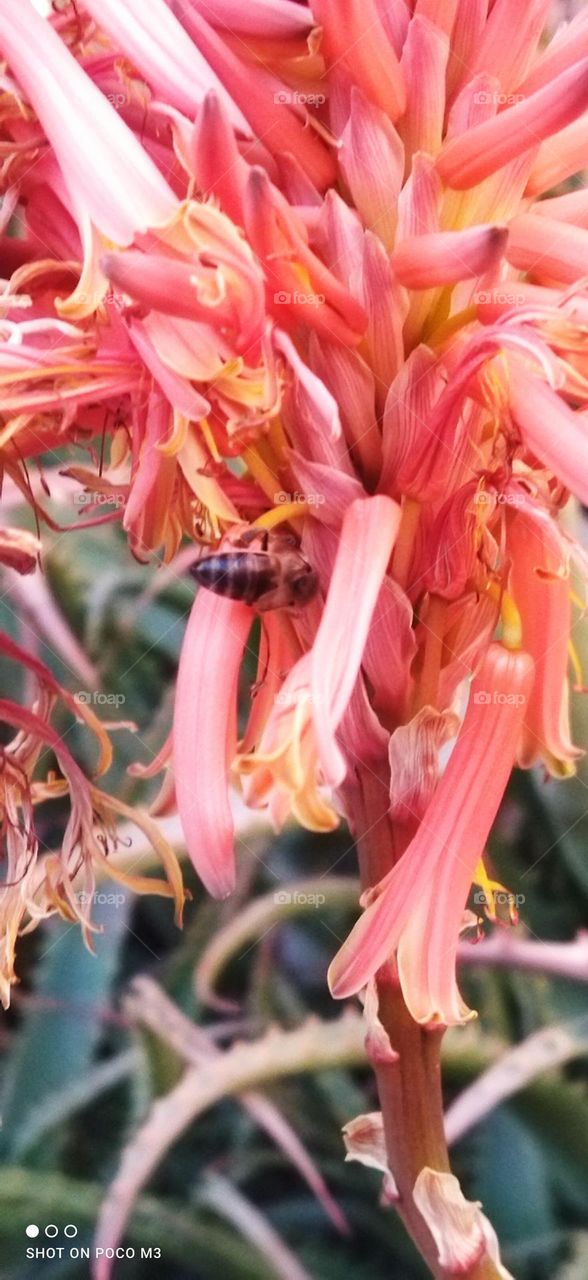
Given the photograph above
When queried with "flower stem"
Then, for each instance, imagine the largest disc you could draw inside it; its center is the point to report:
(409, 1088)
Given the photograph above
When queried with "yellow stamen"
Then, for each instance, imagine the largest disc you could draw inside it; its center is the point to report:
(210, 440)
(74, 370)
(576, 664)
(577, 600)
(262, 470)
(492, 891)
(277, 438)
(177, 439)
(512, 629)
(277, 515)
(451, 326)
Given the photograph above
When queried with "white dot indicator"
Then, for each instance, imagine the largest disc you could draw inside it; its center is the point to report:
(31, 1230)
(70, 1230)
(51, 1229)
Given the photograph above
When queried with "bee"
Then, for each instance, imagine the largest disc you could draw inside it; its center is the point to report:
(273, 575)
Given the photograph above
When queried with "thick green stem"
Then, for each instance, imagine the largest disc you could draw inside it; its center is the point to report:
(409, 1088)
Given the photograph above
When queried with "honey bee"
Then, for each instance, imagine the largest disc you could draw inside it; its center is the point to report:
(273, 575)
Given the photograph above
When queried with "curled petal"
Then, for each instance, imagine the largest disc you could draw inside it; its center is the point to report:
(461, 1232)
(19, 549)
(365, 1141)
(377, 1041)
(414, 762)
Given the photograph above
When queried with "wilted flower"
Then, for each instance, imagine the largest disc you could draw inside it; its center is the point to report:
(38, 883)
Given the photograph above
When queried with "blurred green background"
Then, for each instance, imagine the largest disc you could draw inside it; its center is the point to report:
(80, 1071)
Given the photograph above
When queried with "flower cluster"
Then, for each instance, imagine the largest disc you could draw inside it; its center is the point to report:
(268, 250)
(364, 303)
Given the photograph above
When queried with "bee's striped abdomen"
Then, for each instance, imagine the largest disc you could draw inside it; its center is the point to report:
(239, 575)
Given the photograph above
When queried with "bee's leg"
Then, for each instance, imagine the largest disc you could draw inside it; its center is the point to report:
(259, 683)
(252, 535)
(263, 535)
(278, 598)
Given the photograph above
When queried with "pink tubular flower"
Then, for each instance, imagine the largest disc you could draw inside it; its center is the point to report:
(113, 178)
(356, 42)
(421, 262)
(418, 909)
(540, 586)
(298, 752)
(555, 434)
(159, 47)
(205, 733)
(467, 160)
